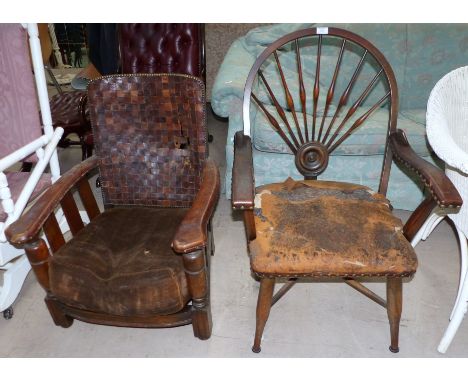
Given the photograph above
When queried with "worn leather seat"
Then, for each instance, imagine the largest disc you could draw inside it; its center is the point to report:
(322, 228)
(101, 270)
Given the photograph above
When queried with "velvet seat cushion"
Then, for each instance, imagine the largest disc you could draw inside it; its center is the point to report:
(321, 228)
(17, 181)
(122, 264)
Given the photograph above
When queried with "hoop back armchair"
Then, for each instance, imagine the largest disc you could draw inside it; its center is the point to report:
(159, 190)
(327, 229)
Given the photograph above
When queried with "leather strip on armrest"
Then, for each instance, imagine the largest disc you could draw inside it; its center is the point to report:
(192, 232)
(440, 186)
(28, 226)
(243, 185)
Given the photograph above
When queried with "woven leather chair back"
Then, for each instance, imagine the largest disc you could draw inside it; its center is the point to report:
(150, 136)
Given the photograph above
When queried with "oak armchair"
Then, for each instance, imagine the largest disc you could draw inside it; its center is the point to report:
(159, 191)
(326, 229)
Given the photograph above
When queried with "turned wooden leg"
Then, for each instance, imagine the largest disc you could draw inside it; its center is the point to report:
(196, 271)
(394, 304)
(265, 296)
(60, 319)
(38, 255)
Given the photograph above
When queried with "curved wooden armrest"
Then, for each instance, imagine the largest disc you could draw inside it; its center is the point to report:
(192, 232)
(243, 184)
(440, 186)
(28, 226)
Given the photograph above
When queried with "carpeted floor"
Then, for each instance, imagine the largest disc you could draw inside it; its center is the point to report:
(312, 320)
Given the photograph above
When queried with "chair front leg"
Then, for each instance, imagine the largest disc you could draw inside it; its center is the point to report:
(59, 317)
(265, 296)
(196, 271)
(394, 305)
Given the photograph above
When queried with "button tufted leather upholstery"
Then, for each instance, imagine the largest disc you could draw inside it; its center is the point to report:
(162, 48)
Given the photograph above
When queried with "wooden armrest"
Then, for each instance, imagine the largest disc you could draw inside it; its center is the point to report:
(28, 226)
(440, 186)
(192, 232)
(243, 184)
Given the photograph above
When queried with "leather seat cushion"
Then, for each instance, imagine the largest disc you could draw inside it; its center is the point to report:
(65, 108)
(122, 264)
(332, 229)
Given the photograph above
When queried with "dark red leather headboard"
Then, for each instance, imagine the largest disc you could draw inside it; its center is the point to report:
(162, 48)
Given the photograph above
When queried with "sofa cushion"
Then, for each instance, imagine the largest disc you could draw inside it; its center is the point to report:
(433, 50)
(122, 264)
(415, 115)
(368, 139)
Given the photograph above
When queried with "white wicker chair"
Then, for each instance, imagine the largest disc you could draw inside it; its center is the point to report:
(447, 132)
